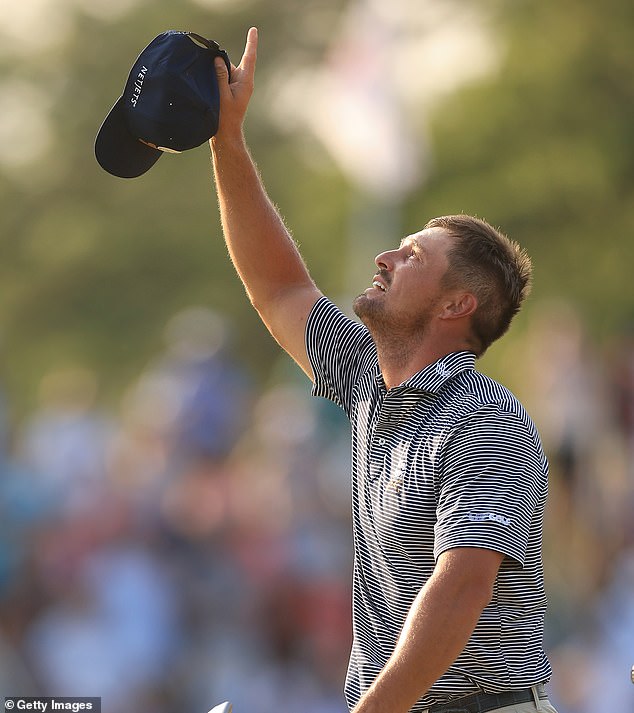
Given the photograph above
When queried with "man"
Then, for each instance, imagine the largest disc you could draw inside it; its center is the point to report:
(449, 478)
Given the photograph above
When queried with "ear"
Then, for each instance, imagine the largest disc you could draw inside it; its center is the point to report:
(461, 304)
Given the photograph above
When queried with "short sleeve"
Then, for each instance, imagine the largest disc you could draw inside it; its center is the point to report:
(340, 351)
(492, 479)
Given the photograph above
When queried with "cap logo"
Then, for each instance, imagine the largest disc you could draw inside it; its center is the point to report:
(138, 85)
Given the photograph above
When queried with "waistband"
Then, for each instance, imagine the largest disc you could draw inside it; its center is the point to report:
(483, 702)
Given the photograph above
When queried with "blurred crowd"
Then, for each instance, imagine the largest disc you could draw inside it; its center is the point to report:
(195, 546)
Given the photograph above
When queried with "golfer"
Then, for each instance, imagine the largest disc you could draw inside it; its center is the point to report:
(448, 474)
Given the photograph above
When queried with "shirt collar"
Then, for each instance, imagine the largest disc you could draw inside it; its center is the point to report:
(434, 376)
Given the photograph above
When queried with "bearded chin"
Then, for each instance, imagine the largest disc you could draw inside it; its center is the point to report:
(371, 312)
(385, 325)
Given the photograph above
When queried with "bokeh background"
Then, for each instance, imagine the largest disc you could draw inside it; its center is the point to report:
(174, 506)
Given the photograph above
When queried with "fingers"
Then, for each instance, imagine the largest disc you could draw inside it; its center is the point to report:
(245, 70)
(247, 63)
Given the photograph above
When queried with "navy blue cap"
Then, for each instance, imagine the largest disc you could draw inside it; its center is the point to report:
(170, 103)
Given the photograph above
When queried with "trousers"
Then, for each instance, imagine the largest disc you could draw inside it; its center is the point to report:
(545, 707)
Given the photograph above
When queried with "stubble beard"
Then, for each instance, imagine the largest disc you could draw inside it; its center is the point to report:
(371, 312)
(396, 336)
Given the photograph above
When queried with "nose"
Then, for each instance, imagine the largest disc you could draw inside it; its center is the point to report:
(385, 260)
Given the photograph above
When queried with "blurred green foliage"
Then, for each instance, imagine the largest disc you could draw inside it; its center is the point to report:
(92, 266)
(545, 149)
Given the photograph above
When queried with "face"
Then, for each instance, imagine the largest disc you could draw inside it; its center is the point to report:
(407, 288)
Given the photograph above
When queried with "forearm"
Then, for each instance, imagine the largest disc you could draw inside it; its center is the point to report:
(438, 626)
(262, 250)
(260, 246)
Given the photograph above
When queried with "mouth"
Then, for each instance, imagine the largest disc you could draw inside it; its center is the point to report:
(379, 285)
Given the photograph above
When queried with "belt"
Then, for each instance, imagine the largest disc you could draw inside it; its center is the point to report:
(483, 702)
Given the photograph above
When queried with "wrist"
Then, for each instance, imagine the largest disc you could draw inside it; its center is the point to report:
(227, 141)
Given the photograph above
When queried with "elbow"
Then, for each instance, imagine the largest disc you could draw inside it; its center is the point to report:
(482, 594)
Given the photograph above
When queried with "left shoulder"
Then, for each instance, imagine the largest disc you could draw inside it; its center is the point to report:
(487, 397)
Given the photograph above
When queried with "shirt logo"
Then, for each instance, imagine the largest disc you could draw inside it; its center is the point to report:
(442, 370)
(481, 517)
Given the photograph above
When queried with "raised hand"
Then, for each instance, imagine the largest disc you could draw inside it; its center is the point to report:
(235, 94)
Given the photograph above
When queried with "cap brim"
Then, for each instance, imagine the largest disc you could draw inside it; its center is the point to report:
(118, 152)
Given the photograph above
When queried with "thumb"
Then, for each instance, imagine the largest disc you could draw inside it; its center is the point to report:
(222, 75)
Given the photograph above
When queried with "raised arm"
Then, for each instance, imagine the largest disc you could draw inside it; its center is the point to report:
(261, 248)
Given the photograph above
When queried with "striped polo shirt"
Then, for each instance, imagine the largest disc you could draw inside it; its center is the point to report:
(447, 459)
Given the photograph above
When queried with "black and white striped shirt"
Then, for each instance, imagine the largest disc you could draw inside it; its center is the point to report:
(447, 459)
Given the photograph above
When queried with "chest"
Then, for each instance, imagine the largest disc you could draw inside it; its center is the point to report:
(396, 456)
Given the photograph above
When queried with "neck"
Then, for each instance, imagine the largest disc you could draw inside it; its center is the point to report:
(400, 358)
